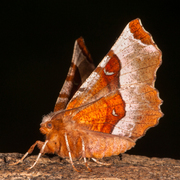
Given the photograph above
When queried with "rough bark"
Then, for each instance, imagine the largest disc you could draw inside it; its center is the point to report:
(124, 167)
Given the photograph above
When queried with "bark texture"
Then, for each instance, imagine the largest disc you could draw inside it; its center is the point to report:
(124, 167)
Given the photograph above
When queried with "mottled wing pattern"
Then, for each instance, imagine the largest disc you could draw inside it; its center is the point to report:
(140, 58)
(126, 75)
(81, 67)
(104, 79)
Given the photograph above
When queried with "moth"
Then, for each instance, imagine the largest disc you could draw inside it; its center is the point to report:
(103, 111)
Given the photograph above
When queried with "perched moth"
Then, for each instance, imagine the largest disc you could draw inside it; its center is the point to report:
(102, 111)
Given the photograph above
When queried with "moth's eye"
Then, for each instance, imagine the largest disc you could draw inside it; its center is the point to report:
(49, 125)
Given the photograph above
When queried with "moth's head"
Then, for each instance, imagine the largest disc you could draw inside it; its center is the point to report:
(46, 125)
(51, 123)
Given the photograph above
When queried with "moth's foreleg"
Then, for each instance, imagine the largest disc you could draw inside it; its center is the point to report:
(39, 155)
(30, 150)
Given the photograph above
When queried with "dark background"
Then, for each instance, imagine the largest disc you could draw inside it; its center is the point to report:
(37, 40)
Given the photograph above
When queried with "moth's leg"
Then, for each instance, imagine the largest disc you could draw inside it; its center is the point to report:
(30, 150)
(95, 160)
(39, 155)
(84, 155)
(69, 152)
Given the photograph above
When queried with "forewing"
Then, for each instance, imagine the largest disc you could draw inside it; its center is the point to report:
(129, 69)
(81, 67)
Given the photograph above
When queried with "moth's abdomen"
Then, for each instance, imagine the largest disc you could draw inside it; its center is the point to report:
(99, 145)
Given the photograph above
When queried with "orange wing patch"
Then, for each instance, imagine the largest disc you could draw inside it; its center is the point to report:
(139, 32)
(103, 114)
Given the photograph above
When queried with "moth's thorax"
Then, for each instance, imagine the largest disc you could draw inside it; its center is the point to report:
(57, 143)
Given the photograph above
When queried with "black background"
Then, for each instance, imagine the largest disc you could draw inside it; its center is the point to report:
(37, 41)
